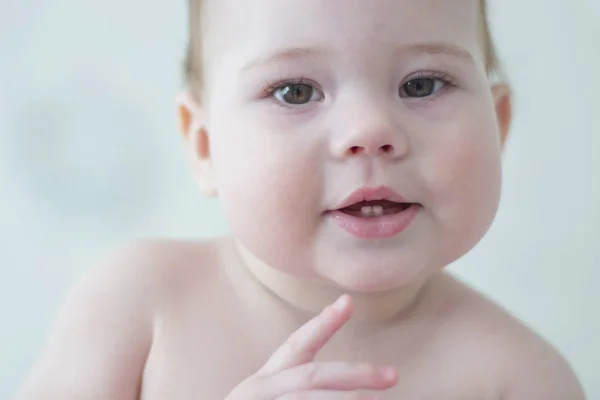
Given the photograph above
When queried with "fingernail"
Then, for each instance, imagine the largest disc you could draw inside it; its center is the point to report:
(339, 304)
(388, 373)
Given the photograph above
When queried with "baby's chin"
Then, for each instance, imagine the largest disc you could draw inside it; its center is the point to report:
(364, 272)
(370, 287)
(375, 279)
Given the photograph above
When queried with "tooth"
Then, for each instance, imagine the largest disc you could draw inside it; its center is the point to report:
(377, 211)
(366, 211)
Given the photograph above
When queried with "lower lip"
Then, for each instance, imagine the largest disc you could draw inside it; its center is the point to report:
(382, 227)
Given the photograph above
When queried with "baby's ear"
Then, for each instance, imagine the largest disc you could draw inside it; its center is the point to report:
(192, 124)
(503, 104)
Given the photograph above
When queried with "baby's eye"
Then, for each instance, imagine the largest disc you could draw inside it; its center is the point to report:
(421, 87)
(297, 94)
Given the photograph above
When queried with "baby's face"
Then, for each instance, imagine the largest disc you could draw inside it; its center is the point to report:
(307, 101)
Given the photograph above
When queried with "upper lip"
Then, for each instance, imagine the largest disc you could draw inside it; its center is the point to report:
(372, 194)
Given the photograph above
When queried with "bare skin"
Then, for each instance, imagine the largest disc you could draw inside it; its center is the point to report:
(188, 321)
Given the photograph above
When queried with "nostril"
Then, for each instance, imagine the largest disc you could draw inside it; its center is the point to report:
(387, 148)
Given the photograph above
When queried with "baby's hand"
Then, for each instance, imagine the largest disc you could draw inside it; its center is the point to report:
(291, 374)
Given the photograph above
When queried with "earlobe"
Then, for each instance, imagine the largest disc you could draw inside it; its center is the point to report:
(193, 129)
(190, 113)
(503, 104)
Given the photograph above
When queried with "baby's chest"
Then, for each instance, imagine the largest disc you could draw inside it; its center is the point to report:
(209, 364)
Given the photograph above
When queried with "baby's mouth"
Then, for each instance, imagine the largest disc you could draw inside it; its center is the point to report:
(375, 208)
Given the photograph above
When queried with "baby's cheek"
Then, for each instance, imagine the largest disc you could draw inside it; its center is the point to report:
(465, 178)
(269, 192)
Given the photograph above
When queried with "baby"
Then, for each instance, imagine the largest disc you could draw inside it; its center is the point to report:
(355, 147)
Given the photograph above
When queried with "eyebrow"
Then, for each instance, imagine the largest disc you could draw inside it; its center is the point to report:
(287, 55)
(439, 48)
(299, 53)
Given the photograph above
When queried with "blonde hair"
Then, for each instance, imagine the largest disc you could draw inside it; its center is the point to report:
(192, 67)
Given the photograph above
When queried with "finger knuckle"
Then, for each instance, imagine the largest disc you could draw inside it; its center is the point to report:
(310, 374)
(368, 369)
(291, 346)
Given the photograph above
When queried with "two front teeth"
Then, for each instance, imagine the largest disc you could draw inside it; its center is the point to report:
(371, 211)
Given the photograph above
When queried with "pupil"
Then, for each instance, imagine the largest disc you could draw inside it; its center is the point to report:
(420, 87)
(297, 94)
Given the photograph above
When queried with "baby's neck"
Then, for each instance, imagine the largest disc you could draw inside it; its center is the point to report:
(311, 297)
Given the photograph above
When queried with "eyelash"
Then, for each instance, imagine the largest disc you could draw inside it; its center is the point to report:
(270, 88)
(430, 75)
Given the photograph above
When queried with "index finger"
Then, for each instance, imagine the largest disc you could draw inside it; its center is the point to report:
(302, 345)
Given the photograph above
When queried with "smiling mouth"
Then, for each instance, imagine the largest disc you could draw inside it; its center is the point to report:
(374, 213)
(375, 208)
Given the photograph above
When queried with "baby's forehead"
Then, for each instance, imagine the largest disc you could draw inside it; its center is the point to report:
(218, 27)
(261, 25)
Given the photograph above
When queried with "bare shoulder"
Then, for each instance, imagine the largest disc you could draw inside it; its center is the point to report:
(102, 334)
(138, 277)
(163, 266)
(520, 363)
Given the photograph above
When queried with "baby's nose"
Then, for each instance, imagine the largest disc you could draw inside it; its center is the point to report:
(374, 141)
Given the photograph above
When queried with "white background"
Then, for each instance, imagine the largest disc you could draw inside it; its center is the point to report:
(90, 157)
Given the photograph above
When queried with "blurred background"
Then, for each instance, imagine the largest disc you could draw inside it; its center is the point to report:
(90, 157)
